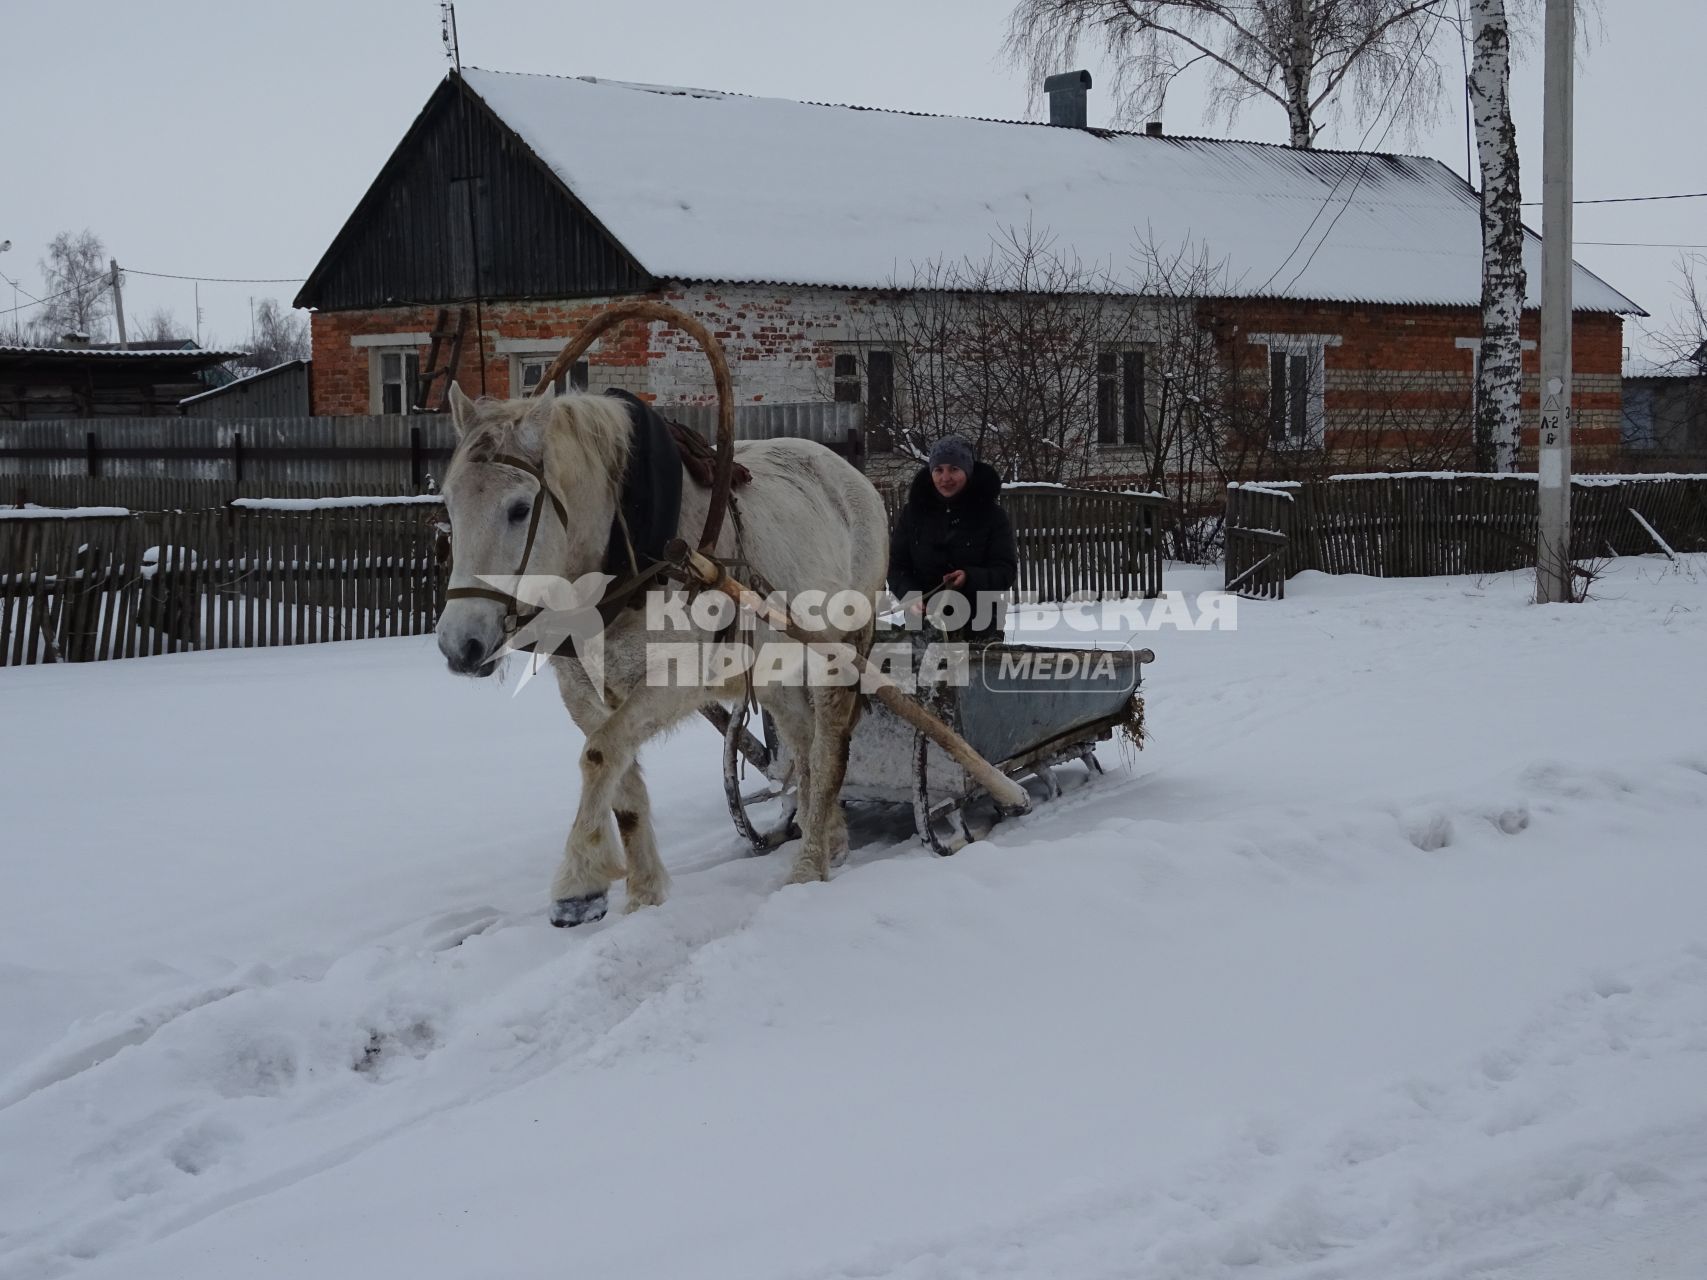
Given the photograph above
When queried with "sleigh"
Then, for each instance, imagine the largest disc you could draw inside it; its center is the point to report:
(1027, 709)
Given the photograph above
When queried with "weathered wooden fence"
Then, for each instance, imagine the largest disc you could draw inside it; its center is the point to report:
(85, 584)
(160, 464)
(82, 585)
(1078, 542)
(1425, 524)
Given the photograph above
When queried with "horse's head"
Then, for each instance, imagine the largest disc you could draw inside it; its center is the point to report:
(530, 492)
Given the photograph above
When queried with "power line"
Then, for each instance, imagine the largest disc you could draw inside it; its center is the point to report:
(1680, 195)
(76, 288)
(1362, 172)
(1642, 244)
(167, 275)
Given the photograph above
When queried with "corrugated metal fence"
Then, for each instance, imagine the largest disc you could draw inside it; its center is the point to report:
(1427, 524)
(184, 463)
(166, 463)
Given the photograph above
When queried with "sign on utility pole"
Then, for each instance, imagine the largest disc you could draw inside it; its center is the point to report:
(1553, 540)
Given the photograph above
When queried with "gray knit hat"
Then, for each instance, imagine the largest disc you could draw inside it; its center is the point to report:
(956, 451)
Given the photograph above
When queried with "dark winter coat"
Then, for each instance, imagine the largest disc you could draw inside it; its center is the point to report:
(935, 536)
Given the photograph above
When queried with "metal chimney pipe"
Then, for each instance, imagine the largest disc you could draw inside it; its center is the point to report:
(1067, 98)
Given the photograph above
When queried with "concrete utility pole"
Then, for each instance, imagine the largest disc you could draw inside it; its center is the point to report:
(118, 304)
(1553, 540)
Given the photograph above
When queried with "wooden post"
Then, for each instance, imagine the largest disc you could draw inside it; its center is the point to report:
(118, 303)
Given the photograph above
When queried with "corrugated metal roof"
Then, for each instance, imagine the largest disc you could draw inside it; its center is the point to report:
(180, 354)
(703, 185)
(247, 380)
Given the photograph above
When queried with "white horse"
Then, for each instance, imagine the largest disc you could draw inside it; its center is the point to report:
(539, 480)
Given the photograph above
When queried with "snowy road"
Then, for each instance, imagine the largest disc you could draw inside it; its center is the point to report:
(1388, 958)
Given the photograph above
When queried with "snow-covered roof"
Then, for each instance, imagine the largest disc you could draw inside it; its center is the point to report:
(704, 185)
(208, 355)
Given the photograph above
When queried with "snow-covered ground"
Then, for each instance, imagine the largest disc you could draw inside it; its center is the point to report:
(1387, 958)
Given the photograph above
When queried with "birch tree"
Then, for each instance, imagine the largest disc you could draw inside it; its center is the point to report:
(1499, 363)
(1301, 55)
(76, 275)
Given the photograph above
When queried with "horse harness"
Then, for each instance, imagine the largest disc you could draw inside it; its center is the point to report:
(625, 594)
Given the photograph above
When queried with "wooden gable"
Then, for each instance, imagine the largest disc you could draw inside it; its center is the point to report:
(464, 210)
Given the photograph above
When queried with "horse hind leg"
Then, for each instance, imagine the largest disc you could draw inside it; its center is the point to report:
(825, 826)
(791, 711)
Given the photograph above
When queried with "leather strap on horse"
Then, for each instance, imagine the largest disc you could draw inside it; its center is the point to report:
(644, 309)
(513, 606)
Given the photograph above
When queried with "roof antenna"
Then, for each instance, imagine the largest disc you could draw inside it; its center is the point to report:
(447, 32)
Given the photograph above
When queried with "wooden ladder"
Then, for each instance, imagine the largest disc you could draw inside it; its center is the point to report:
(434, 371)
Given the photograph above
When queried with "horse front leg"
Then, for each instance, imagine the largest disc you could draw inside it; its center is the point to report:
(647, 880)
(580, 891)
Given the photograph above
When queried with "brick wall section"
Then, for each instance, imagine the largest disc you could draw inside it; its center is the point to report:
(778, 343)
(1407, 358)
(781, 342)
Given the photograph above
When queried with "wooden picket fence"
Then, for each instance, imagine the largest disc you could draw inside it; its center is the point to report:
(1075, 543)
(1422, 525)
(84, 585)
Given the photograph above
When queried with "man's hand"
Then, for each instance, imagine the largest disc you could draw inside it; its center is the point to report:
(954, 578)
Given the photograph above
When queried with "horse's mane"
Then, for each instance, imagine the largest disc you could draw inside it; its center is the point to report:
(588, 440)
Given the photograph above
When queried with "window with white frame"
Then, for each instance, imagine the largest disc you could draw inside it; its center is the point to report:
(1297, 378)
(1474, 347)
(527, 370)
(1122, 405)
(396, 378)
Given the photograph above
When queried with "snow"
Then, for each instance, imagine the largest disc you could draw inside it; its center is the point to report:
(669, 173)
(327, 504)
(30, 511)
(1385, 958)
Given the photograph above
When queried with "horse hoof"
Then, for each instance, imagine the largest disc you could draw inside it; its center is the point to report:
(566, 913)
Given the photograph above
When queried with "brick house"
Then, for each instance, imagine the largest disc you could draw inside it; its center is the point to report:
(517, 204)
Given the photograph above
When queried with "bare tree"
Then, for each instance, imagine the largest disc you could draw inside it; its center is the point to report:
(1005, 351)
(160, 325)
(280, 336)
(76, 273)
(1499, 359)
(1686, 337)
(1299, 54)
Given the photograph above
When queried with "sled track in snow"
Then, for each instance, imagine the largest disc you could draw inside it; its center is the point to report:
(187, 1088)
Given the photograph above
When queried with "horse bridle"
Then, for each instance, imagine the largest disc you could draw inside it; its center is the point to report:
(513, 615)
(619, 597)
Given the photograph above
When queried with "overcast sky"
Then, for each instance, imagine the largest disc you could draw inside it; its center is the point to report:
(233, 138)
